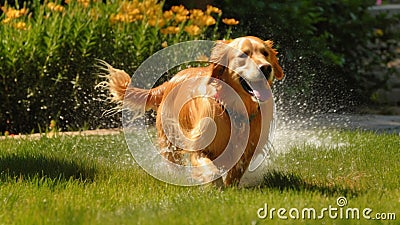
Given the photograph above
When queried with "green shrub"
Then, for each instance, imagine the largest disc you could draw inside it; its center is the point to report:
(48, 54)
(330, 50)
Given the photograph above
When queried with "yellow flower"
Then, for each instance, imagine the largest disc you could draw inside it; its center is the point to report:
(130, 12)
(114, 18)
(51, 5)
(85, 3)
(151, 12)
(59, 8)
(193, 30)
(379, 32)
(200, 19)
(230, 22)
(14, 13)
(54, 7)
(6, 20)
(156, 22)
(180, 14)
(149, 4)
(149, 8)
(179, 10)
(212, 9)
(164, 44)
(168, 15)
(204, 21)
(170, 30)
(94, 13)
(208, 20)
(180, 18)
(196, 13)
(20, 25)
(135, 18)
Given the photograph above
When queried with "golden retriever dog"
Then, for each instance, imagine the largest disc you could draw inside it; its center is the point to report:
(248, 65)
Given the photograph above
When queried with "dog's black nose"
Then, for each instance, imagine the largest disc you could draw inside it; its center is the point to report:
(266, 70)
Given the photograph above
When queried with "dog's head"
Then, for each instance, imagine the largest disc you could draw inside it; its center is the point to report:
(247, 64)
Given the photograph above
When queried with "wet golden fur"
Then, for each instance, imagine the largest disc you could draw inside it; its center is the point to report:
(193, 111)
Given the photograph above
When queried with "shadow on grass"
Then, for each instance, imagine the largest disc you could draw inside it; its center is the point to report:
(282, 181)
(41, 166)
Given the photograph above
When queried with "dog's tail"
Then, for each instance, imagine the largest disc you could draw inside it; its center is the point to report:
(137, 100)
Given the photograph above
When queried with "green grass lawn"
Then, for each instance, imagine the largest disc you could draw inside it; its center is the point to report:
(92, 180)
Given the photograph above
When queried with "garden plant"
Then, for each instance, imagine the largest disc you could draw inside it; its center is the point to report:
(49, 53)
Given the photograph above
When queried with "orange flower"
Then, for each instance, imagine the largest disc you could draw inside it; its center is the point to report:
(59, 8)
(94, 13)
(212, 9)
(14, 13)
(156, 22)
(6, 20)
(199, 18)
(114, 18)
(179, 10)
(54, 7)
(133, 11)
(170, 30)
(204, 21)
(168, 15)
(230, 22)
(180, 18)
(208, 20)
(149, 4)
(20, 25)
(193, 30)
(164, 44)
(196, 13)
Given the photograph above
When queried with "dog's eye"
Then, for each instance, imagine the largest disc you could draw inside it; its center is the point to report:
(265, 53)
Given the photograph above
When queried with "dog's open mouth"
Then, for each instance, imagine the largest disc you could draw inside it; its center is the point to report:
(246, 86)
(259, 90)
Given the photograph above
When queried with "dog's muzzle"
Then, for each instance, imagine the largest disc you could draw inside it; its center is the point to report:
(259, 89)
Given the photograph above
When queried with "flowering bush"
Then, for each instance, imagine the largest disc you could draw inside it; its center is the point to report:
(48, 52)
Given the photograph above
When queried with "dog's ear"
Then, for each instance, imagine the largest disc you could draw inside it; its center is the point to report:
(269, 43)
(219, 57)
(278, 72)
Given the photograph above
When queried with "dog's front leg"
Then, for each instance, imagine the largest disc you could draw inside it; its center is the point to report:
(235, 174)
(204, 170)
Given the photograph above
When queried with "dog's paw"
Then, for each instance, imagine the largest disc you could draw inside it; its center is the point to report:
(207, 174)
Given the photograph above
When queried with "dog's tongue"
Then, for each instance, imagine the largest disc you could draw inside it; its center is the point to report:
(261, 90)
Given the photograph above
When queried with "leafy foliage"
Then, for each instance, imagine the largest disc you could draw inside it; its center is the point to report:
(331, 50)
(49, 50)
